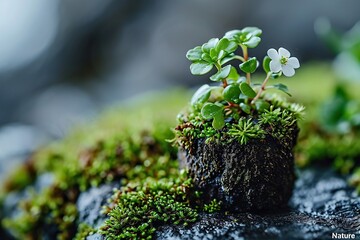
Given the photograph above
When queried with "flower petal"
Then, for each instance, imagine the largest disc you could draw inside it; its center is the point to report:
(293, 62)
(283, 52)
(273, 54)
(288, 70)
(275, 66)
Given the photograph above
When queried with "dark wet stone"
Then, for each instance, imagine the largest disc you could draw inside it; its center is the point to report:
(90, 204)
(322, 204)
(242, 177)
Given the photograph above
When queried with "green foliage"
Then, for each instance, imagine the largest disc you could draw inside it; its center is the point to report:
(266, 64)
(248, 37)
(245, 130)
(221, 74)
(83, 231)
(340, 114)
(220, 53)
(282, 88)
(247, 90)
(231, 93)
(121, 147)
(138, 212)
(214, 112)
(201, 95)
(210, 54)
(212, 207)
(261, 105)
(250, 65)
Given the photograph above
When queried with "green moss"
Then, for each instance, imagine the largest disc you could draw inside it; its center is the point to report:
(136, 213)
(83, 231)
(212, 207)
(21, 177)
(131, 148)
(275, 121)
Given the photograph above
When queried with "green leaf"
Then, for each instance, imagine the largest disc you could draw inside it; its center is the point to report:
(209, 110)
(283, 88)
(247, 90)
(222, 74)
(227, 59)
(201, 67)
(214, 54)
(231, 34)
(276, 75)
(252, 42)
(245, 108)
(231, 47)
(254, 31)
(209, 45)
(266, 64)
(231, 93)
(249, 66)
(233, 75)
(201, 95)
(206, 57)
(261, 105)
(194, 54)
(226, 45)
(221, 55)
(222, 44)
(218, 121)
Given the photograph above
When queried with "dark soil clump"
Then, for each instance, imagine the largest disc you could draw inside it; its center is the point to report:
(256, 176)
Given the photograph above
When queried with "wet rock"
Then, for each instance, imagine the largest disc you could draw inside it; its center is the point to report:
(322, 204)
(89, 204)
(242, 177)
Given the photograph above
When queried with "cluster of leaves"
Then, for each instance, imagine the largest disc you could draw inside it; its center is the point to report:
(345, 45)
(136, 212)
(340, 114)
(236, 95)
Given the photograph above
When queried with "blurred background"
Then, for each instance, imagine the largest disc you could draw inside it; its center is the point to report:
(62, 62)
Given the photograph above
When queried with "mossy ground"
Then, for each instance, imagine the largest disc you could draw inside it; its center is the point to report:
(128, 145)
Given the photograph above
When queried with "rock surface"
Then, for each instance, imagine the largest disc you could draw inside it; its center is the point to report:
(322, 204)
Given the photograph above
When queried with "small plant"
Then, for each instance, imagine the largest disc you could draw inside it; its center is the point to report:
(236, 141)
(237, 95)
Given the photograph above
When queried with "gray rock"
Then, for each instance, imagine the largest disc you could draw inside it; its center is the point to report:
(322, 204)
(90, 204)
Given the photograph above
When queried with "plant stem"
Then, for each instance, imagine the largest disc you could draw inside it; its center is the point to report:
(246, 57)
(239, 58)
(225, 83)
(263, 85)
(245, 52)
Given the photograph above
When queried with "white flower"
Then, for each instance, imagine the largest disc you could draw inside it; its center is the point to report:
(281, 61)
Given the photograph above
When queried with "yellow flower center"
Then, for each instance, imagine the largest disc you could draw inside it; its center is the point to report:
(283, 60)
